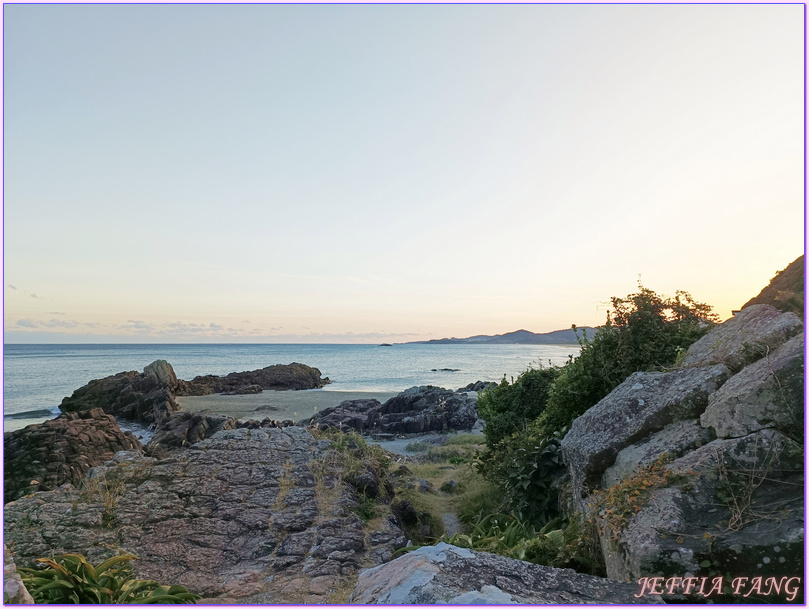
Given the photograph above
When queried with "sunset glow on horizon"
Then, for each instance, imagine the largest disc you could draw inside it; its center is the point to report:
(391, 173)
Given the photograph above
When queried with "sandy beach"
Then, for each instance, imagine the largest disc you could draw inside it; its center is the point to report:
(278, 405)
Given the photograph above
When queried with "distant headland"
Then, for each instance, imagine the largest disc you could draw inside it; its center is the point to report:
(518, 337)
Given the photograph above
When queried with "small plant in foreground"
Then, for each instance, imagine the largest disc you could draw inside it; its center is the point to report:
(71, 579)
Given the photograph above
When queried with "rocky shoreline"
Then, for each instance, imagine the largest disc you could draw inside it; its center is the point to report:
(267, 511)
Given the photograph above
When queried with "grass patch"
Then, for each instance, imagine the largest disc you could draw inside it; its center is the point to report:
(466, 439)
(418, 447)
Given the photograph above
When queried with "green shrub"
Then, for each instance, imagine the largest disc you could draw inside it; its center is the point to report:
(644, 332)
(527, 467)
(70, 579)
(510, 407)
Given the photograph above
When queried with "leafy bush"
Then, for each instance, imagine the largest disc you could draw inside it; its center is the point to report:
(70, 579)
(644, 331)
(510, 407)
(527, 467)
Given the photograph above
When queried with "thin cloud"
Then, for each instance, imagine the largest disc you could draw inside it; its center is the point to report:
(56, 313)
(27, 323)
(61, 323)
(13, 287)
(138, 325)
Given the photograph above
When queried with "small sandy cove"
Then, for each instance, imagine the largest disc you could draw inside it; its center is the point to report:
(278, 405)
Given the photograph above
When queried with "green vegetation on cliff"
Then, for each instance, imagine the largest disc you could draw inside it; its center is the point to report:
(526, 419)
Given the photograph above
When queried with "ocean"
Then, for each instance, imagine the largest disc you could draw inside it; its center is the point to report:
(37, 377)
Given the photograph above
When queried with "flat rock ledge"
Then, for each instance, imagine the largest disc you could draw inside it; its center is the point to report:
(247, 514)
(446, 574)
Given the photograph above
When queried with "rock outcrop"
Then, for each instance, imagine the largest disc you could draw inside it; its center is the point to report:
(147, 397)
(643, 404)
(260, 516)
(745, 338)
(187, 428)
(14, 590)
(673, 499)
(766, 393)
(785, 291)
(278, 377)
(42, 457)
(446, 574)
(415, 410)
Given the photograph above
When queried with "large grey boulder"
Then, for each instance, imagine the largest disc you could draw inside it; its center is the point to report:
(744, 338)
(644, 403)
(766, 393)
(674, 439)
(446, 574)
(736, 510)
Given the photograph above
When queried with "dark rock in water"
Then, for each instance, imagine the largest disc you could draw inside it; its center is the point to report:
(445, 574)
(278, 377)
(239, 515)
(445, 370)
(187, 428)
(416, 410)
(43, 457)
(477, 386)
(147, 397)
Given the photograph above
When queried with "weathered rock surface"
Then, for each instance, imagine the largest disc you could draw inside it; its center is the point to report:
(445, 574)
(766, 393)
(255, 515)
(744, 338)
(740, 513)
(415, 410)
(675, 439)
(14, 590)
(147, 397)
(44, 456)
(348, 415)
(278, 377)
(729, 506)
(187, 428)
(644, 403)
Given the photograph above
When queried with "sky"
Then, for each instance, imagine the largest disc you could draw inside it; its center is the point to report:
(358, 174)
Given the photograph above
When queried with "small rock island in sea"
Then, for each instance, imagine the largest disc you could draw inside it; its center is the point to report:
(273, 512)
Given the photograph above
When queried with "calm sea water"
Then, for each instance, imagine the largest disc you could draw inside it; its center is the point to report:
(37, 377)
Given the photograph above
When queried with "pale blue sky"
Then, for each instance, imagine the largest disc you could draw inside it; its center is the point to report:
(358, 173)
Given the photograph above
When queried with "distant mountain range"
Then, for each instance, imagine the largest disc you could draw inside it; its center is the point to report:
(518, 337)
